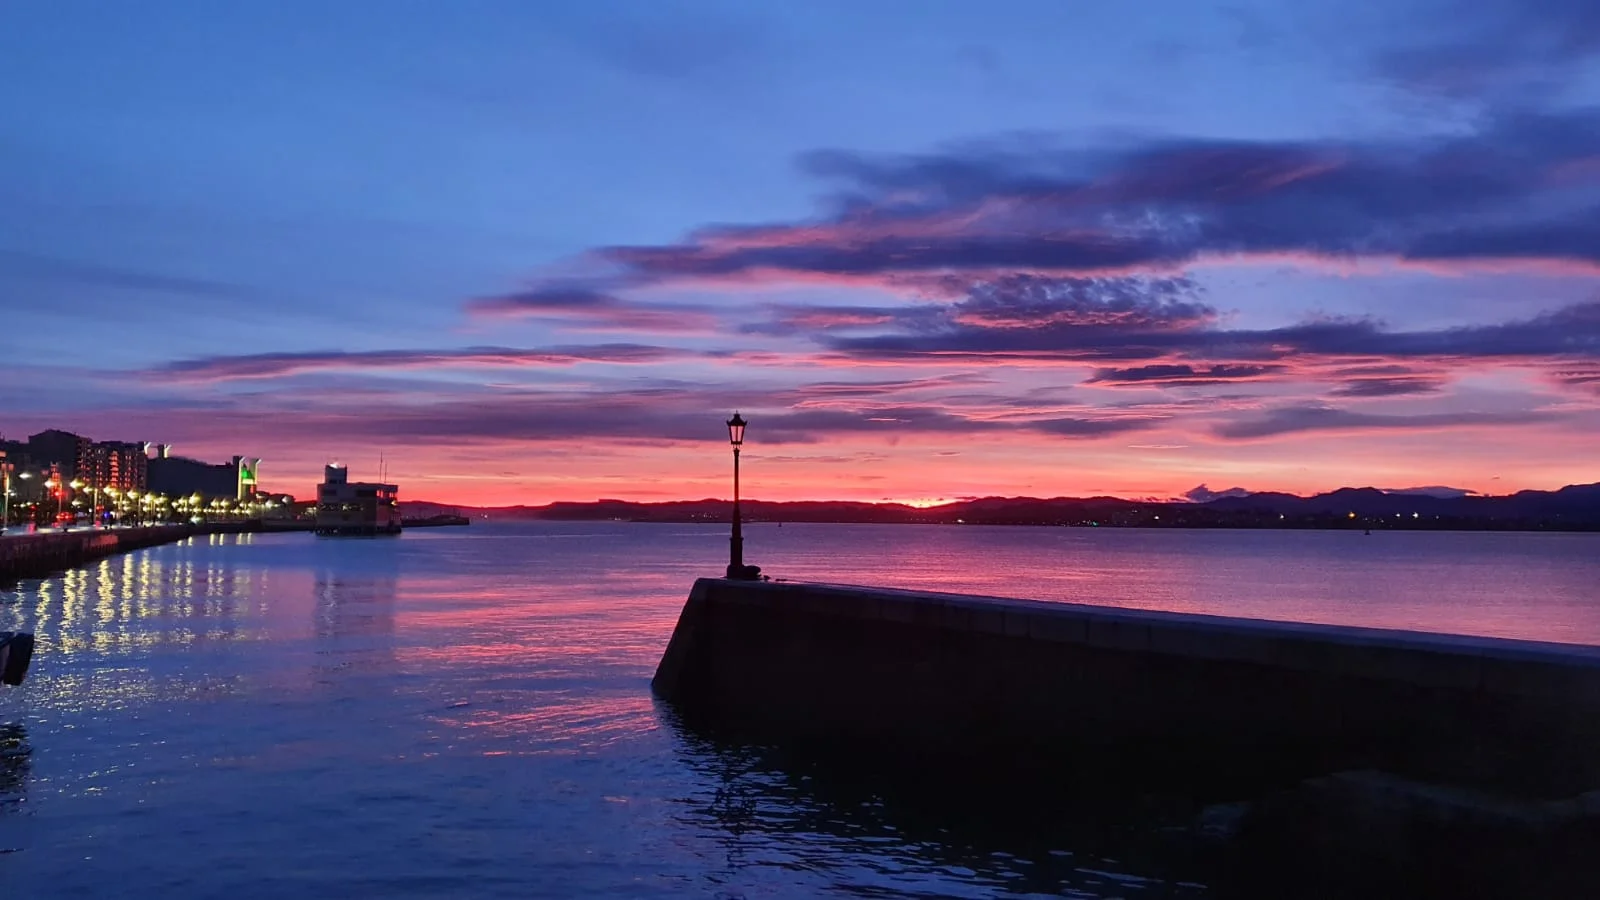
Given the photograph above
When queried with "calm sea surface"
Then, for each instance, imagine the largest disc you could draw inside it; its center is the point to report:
(466, 712)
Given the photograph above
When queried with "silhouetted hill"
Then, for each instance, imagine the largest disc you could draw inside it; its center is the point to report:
(1578, 504)
(1573, 508)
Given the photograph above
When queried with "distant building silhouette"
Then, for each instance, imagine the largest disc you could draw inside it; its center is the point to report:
(103, 464)
(179, 476)
(355, 507)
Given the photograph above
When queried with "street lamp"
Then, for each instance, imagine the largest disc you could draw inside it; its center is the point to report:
(736, 567)
(5, 491)
(53, 487)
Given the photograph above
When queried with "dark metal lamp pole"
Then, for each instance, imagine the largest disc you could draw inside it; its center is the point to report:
(736, 567)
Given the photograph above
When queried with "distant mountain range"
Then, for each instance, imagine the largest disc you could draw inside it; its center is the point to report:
(1573, 508)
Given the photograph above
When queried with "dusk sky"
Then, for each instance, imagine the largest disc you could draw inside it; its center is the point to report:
(534, 251)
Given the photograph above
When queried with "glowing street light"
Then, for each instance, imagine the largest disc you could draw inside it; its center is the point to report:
(736, 567)
(5, 490)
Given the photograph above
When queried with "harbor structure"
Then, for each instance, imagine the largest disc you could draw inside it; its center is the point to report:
(978, 676)
(236, 480)
(1360, 754)
(355, 507)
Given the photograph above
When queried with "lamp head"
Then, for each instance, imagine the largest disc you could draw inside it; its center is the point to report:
(736, 430)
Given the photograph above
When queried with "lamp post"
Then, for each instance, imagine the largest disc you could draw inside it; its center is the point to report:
(34, 504)
(53, 485)
(736, 567)
(5, 492)
(77, 486)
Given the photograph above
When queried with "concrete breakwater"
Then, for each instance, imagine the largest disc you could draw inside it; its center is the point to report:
(1482, 743)
(41, 554)
(963, 675)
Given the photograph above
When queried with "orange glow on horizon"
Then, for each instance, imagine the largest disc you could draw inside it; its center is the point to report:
(1149, 467)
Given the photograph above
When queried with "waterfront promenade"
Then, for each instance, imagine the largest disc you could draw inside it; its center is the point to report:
(38, 554)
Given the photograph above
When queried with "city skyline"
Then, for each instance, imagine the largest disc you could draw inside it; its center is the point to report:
(534, 253)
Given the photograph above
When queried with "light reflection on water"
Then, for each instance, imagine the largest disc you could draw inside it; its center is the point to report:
(1521, 585)
(466, 711)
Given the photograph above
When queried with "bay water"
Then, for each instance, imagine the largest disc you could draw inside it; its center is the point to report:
(466, 711)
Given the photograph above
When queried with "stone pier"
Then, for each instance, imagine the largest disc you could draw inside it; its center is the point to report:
(1353, 762)
(1034, 688)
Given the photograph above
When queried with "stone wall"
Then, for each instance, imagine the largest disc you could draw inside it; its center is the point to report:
(1039, 688)
(41, 554)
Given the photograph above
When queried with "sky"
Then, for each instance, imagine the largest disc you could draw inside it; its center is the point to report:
(526, 252)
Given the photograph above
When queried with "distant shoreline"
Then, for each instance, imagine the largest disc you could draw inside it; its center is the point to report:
(1375, 527)
(1575, 508)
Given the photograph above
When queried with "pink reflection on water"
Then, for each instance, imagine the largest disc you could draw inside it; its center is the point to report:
(542, 637)
(1516, 585)
(561, 660)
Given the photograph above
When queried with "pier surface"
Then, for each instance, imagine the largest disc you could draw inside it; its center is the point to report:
(1033, 688)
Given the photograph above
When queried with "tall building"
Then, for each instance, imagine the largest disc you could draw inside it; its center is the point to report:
(102, 464)
(115, 464)
(179, 476)
(62, 449)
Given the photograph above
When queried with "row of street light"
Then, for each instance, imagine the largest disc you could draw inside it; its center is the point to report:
(55, 503)
(145, 507)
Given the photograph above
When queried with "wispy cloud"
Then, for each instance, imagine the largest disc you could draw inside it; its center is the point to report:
(1491, 47)
(1168, 328)
(1185, 375)
(594, 310)
(1486, 197)
(1301, 419)
(23, 267)
(273, 365)
(1388, 387)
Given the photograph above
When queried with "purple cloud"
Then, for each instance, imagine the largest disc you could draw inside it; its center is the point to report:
(1185, 375)
(1487, 196)
(273, 365)
(1165, 327)
(1302, 419)
(33, 267)
(1492, 46)
(594, 310)
(1388, 387)
(1095, 427)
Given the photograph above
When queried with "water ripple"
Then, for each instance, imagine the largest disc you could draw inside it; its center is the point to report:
(466, 712)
